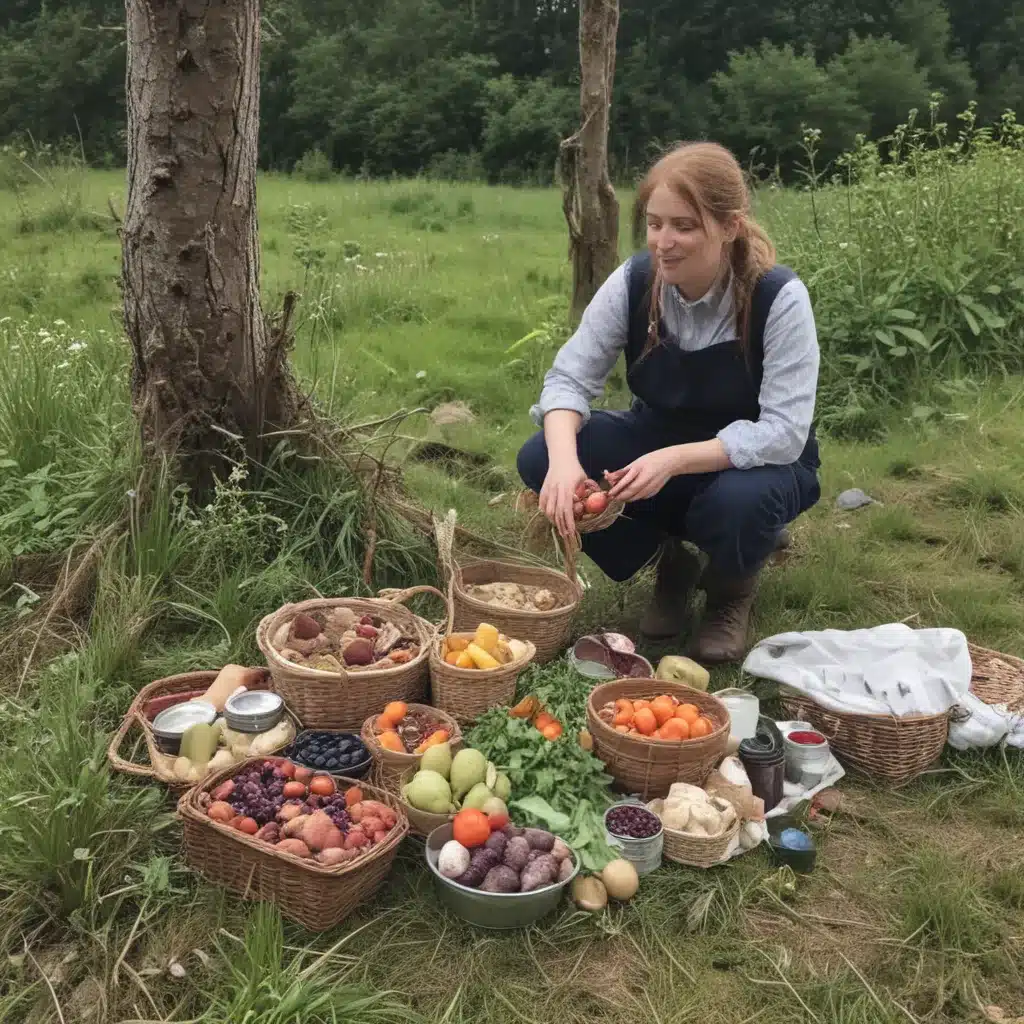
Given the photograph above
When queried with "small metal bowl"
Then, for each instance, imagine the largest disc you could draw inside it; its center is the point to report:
(801, 861)
(494, 910)
(169, 726)
(254, 711)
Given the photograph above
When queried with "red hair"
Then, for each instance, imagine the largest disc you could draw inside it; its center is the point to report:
(709, 178)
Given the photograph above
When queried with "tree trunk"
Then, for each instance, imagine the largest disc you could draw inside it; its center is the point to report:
(209, 374)
(591, 209)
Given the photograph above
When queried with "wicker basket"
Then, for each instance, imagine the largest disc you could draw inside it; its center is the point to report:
(421, 823)
(466, 693)
(149, 701)
(898, 749)
(316, 896)
(548, 631)
(648, 767)
(997, 678)
(698, 851)
(389, 765)
(893, 748)
(344, 700)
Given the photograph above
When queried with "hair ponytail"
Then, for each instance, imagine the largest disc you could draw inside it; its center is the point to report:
(751, 254)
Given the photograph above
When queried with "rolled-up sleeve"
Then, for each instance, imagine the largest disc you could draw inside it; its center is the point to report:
(582, 365)
(788, 387)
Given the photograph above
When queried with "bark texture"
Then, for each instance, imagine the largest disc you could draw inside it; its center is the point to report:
(208, 371)
(591, 209)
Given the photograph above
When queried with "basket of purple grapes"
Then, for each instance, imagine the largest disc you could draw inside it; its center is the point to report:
(318, 845)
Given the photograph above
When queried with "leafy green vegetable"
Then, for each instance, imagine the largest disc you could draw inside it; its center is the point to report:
(568, 780)
(538, 807)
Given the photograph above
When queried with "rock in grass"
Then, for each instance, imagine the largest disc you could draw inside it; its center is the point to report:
(853, 499)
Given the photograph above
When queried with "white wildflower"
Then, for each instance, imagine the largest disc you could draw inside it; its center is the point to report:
(76, 346)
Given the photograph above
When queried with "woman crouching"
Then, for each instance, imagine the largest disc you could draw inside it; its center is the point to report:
(718, 447)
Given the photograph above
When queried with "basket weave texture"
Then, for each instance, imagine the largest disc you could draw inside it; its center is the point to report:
(390, 765)
(466, 693)
(548, 631)
(344, 700)
(648, 767)
(899, 748)
(314, 895)
(152, 699)
(697, 851)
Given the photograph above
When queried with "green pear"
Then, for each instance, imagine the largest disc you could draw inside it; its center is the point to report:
(477, 796)
(437, 758)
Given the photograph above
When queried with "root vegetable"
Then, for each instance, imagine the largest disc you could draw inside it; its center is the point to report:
(293, 846)
(356, 838)
(333, 856)
(359, 652)
(371, 825)
(497, 841)
(290, 810)
(221, 811)
(305, 627)
(293, 829)
(560, 851)
(590, 894)
(565, 869)
(543, 871)
(270, 833)
(539, 839)
(620, 879)
(517, 853)
(500, 878)
(224, 790)
(481, 861)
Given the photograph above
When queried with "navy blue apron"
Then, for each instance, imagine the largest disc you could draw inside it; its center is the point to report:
(694, 395)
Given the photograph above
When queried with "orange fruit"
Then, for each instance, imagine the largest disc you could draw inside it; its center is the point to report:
(663, 709)
(471, 827)
(624, 704)
(543, 720)
(552, 731)
(688, 712)
(645, 721)
(623, 718)
(390, 740)
(638, 704)
(622, 728)
(675, 729)
(451, 657)
(392, 714)
(701, 727)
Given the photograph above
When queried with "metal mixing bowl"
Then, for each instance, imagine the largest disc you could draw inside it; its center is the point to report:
(495, 910)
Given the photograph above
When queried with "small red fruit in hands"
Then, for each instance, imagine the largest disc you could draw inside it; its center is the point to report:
(595, 503)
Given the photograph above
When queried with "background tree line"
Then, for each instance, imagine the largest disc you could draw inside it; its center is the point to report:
(486, 88)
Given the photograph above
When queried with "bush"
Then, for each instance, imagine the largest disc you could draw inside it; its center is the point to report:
(913, 262)
(314, 165)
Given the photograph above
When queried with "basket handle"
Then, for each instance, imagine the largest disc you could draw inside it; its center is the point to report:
(117, 762)
(828, 722)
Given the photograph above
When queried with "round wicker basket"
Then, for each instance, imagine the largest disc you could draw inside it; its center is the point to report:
(344, 700)
(648, 767)
(391, 765)
(898, 749)
(466, 693)
(548, 631)
(698, 851)
(316, 896)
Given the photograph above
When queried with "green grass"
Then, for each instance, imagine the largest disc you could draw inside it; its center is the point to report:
(914, 911)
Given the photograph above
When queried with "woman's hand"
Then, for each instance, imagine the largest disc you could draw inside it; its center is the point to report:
(644, 477)
(559, 492)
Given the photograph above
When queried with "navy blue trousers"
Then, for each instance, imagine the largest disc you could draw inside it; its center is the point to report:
(733, 516)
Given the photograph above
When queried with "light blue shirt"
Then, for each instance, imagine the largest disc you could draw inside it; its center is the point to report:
(791, 359)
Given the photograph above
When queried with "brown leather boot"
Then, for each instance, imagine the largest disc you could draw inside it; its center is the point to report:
(678, 572)
(722, 637)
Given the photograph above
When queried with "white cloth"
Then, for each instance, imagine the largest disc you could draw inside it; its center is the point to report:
(975, 724)
(890, 669)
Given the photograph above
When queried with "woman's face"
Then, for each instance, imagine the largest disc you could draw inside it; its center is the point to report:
(690, 256)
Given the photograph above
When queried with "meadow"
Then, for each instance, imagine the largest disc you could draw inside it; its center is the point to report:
(414, 294)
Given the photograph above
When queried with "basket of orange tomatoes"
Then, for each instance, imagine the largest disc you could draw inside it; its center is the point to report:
(649, 739)
(398, 736)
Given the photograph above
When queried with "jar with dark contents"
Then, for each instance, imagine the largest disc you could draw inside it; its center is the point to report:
(636, 833)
